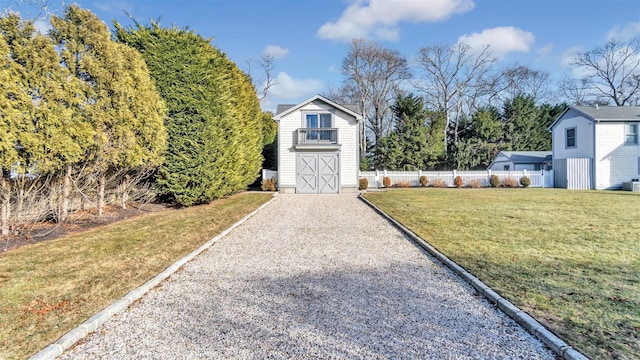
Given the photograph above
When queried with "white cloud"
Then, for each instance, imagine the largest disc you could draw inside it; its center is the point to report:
(276, 51)
(332, 69)
(287, 87)
(42, 26)
(626, 33)
(380, 18)
(545, 50)
(569, 55)
(501, 40)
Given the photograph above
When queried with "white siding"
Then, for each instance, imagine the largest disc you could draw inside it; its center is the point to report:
(287, 128)
(584, 136)
(347, 138)
(615, 162)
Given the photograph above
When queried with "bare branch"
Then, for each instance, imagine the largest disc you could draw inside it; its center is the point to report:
(611, 72)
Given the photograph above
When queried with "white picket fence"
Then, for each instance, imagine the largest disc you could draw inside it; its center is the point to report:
(539, 178)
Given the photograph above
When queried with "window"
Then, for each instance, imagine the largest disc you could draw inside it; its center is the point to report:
(318, 121)
(506, 168)
(571, 137)
(631, 134)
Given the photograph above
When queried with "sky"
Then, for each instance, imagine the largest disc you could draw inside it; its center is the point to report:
(309, 38)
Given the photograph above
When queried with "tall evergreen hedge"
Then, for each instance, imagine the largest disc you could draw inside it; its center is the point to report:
(214, 122)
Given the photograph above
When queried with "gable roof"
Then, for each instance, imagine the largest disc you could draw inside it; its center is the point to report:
(523, 157)
(604, 113)
(285, 109)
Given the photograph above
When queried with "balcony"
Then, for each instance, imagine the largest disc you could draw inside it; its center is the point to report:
(317, 138)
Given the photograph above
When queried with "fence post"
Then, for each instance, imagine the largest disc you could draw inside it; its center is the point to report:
(264, 174)
(377, 178)
(544, 180)
(453, 179)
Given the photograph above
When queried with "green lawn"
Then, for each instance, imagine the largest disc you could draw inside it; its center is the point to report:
(49, 288)
(569, 258)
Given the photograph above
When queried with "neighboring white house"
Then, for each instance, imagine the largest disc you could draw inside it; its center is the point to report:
(318, 147)
(596, 147)
(521, 160)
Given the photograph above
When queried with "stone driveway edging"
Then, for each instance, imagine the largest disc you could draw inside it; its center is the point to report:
(557, 345)
(90, 325)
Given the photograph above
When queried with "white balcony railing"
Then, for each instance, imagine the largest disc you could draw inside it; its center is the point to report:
(317, 136)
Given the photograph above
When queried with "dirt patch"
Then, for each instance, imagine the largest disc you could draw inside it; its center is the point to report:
(79, 221)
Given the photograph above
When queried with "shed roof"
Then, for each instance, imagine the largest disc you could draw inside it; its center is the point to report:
(527, 156)
(523, 157)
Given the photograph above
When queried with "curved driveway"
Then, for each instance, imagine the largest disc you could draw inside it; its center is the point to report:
(312, 276)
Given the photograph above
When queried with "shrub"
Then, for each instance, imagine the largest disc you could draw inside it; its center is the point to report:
(439, 183)
(386, 181)
(510, 182)
(458, 181)
(475, 183)
(363, 184)
(424, 181)
(525, 181)
(494, 181)
(403, 184)
(268, 184)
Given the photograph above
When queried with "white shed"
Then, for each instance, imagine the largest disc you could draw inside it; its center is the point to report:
(521, 160)
(596, 147)
(318, 147)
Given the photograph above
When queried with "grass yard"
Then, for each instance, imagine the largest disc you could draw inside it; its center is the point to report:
(48, 288)
(569, 258)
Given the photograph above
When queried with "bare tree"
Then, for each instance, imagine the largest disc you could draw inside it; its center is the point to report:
(611, 72)
(33, 10)
(373, 76)
(453, 80)
(576, 91)
(266, 81)
(522, 80)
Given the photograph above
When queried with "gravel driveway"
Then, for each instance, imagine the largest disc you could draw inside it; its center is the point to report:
(312, 276)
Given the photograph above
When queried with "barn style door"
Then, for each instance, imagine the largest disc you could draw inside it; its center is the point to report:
(328, 175)
(317, 173)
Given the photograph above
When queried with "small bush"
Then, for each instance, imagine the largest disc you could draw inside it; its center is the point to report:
(363, 184)
(403, 184)
(525, 181)
(424, 181)
(458, 181)
(268, 184)
(510, 182)
(386, 181)
(475, 183)
(439, 183)
(494, 181)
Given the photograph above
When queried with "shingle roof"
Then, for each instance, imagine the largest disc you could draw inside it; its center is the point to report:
(283, 107)
(286, 108)
(528, 156)
(611, 113)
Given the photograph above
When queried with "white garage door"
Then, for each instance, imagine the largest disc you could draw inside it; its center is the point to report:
(317, 173)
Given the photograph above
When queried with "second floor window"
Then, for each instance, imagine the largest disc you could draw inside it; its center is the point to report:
(631, 134)
(571, 138)
(318, 121)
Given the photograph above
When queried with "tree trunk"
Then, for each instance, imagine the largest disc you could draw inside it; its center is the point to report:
(101, 185)
(64, 197)
(19, 204)
(124, 192)
(5, 205)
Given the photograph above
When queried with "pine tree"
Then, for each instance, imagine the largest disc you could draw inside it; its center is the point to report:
(214, 123)
(120, 99)
(413, 144)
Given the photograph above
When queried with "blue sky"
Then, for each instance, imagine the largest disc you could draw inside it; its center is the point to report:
(309, 38)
